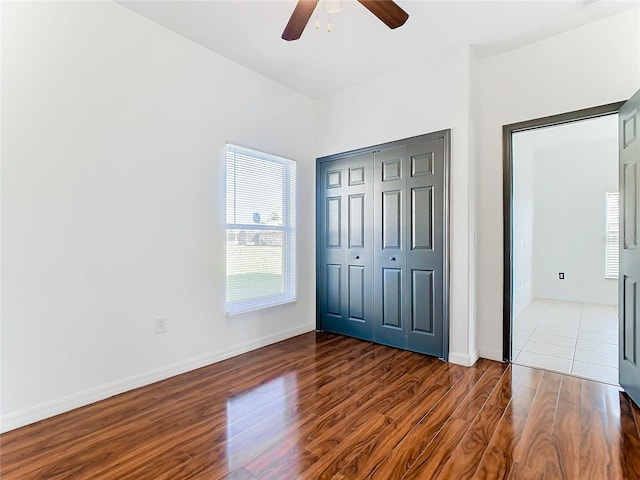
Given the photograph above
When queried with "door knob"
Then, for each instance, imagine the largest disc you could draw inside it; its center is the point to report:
(357, 257)
(393, 259)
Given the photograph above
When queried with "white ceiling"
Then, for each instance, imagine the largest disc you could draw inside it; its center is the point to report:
(361, 47)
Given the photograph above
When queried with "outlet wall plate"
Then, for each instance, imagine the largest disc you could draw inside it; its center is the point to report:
(161, 325)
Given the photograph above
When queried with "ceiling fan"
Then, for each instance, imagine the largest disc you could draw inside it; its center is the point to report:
(386, 10)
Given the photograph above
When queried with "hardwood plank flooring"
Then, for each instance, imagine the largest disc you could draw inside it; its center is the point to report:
(324, 406)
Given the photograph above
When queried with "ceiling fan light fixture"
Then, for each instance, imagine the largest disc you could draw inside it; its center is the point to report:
(332, 6)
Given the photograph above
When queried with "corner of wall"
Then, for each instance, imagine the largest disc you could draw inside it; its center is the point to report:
(491, 354)
(463, 359)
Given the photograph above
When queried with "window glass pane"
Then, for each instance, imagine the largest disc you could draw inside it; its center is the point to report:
(255, 264)
(257, 188)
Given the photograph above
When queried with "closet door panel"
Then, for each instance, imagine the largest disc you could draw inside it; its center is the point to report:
(359, 244)
(392, 298)
(357, 222)
(389, 237)
(333, 222)
(357, 293)
(391, 220)
(422, 301)
(425, 182)
(422, 218)
(333, 300)
(345, 245)
(331, 278)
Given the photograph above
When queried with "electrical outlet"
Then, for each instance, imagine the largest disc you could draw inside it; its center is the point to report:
(161, 325)
(561, 275)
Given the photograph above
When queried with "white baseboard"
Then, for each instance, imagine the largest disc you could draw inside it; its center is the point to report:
(462, 359)
(491, 355)
(48, 409)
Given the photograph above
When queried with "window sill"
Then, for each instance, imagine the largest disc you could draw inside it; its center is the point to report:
(235, 310)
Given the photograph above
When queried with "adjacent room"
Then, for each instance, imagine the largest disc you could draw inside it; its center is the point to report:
(265, 240)
(566, 253)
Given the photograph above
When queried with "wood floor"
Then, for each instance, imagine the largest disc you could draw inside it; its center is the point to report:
(325, 406)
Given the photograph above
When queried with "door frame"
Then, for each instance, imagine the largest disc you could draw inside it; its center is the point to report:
(446, 135)
(507, 199)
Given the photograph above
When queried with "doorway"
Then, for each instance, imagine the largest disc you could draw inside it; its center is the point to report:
(561, 243)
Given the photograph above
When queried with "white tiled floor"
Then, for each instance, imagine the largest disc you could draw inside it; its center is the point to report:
(578, 339)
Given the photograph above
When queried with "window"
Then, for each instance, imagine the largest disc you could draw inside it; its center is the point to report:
(612, 254)
(261, 233)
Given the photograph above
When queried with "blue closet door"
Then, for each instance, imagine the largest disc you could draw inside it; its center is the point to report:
(345, 246)
(425, 247)
(382, 241)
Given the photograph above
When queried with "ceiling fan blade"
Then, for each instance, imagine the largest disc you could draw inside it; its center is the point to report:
(299, 19)
(387, 11)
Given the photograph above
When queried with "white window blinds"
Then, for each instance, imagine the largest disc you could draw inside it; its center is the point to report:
(612, 248)
(261, 234)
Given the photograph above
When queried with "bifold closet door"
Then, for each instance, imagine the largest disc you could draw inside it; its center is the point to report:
(345, 246)
(409, 247)
(381, 242)
(425, 247)
(389, 260)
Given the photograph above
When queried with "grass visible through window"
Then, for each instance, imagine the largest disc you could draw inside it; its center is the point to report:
(250, 285)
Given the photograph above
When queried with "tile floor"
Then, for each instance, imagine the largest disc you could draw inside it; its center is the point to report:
(579, 339)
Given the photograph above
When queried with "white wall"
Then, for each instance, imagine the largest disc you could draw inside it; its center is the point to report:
(523, 221)
(560, 177)
(113, 139)
(593, 65)
(404, 104)
(570, 218)
(475, 119)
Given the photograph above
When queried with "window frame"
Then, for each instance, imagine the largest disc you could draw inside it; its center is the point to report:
(288, 228)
